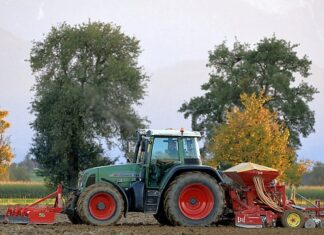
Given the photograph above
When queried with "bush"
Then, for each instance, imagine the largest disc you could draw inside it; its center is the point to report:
(18, 173)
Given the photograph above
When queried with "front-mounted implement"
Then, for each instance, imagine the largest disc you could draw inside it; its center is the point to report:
(35, 213)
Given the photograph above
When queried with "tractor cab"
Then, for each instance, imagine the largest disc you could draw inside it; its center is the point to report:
(174, 145)
(160, 150)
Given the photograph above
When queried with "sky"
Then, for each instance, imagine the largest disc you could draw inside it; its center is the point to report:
(175, 37)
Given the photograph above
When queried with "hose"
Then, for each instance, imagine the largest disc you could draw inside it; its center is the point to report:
(264, 196)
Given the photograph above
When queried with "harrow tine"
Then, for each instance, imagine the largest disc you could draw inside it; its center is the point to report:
(4, 219)
(17, 220)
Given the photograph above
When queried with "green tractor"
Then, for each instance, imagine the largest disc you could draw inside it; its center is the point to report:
(165, 178)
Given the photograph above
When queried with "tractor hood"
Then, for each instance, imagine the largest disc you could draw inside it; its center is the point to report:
(119, 174)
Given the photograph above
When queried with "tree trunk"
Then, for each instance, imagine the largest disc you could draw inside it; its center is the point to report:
(73, 170)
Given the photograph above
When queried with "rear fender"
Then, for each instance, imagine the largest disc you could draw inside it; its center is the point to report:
(177, 170)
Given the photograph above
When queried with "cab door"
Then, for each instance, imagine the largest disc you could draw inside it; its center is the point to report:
(163, 156)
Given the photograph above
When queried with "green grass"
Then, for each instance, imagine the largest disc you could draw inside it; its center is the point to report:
(35, 178)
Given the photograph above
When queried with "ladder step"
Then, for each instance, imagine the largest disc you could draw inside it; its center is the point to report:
(152, 193)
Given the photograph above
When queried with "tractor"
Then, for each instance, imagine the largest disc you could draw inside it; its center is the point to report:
(165, 177)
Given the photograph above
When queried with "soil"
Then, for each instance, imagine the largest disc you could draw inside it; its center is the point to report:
(139, 223)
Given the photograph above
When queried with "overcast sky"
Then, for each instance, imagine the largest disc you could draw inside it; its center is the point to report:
(175, 36)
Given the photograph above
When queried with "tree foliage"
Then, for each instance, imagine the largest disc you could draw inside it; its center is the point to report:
(6, 154)
(17, 172)
(296, 171)
(272, 66)
(252, 134)
(88, 82)
(315, 176)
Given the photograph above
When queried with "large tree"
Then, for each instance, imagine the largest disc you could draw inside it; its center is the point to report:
(252, 134)
(6, 154)
(272, 66)
(88, 82)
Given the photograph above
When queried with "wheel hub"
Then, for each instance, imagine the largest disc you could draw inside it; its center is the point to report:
(101, 206)
(193, 201)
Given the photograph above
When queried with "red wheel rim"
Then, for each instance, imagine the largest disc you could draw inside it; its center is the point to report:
(196, 201)
(102, 206)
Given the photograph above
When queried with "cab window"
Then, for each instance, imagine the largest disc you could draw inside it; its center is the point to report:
(165, 148)
(191, 148)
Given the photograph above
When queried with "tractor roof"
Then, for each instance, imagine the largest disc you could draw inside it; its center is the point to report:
(169, 132)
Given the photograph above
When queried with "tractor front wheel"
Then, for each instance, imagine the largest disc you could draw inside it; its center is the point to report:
(100, 204)
(194, 199)
(293, 219)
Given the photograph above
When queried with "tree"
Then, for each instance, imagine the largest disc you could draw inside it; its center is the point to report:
(6, 154)
(19, 173)
(252, 134)
(272, 66)
(294, 175)
(315, 176)
(28, 163)
(88, 82)
(296, 172)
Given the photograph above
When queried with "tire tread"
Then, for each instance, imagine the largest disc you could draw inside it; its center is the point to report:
(84, 214)
(167, 204)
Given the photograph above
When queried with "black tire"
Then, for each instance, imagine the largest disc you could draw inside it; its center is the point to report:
(100, 204)
(289, 215)
(188, 192)
(72, 215)
(162, 218)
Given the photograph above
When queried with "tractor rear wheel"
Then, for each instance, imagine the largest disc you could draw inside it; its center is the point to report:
(73, 216)
(194, 199)
(100, 204)
(162, 218)
(293, 219)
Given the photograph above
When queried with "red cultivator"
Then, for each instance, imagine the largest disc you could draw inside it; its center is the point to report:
(35, 213)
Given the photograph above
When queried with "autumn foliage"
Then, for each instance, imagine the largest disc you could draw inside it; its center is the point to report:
(6, 154)
(252, 134)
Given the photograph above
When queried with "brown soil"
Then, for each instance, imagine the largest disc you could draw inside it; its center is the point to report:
(138, 223)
